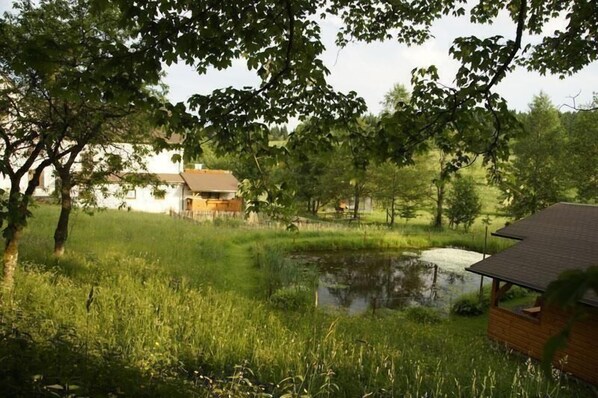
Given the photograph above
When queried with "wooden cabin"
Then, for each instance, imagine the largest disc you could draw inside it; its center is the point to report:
(211, 191)
(560, 238)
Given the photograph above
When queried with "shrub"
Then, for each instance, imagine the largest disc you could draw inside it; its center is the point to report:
(513, 293)
(424, 315)
(291, 298)
(470, 305)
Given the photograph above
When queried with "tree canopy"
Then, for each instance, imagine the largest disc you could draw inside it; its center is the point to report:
(282, 43)
(65, 81)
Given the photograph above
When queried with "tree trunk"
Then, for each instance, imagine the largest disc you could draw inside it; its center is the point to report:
(392, 212)
(316, 207)
(440, 186)
(17, 208)
(356, 202)
(10, 257)
(62, 228)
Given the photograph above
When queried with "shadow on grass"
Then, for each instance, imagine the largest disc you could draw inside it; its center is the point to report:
(57, 367)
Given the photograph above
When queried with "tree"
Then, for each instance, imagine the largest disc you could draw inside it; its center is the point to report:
(65, 78)
(536, 177)
(401, 190)
(582, 151)
(117, 149)
(395, 98)
(457, 145)
(278, 133)
(463, 203)
(281, 41)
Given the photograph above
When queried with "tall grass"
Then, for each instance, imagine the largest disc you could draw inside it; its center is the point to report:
(180, 310)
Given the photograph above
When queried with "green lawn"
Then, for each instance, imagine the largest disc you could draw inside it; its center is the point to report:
(180, 309)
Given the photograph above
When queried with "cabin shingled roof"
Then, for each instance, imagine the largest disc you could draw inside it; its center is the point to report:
(559, 238)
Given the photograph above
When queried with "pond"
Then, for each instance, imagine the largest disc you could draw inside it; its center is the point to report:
(362, 281)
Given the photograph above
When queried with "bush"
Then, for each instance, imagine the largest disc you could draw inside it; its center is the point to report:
(291, 298)
(470, 305)
(424, 315)
(513, 293)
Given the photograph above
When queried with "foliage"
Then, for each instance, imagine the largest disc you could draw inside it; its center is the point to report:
(400, 190)
(63, 85)
(470, 305)
(318, 176)
(279, 133)
(567, 292)
(536, 178)
(463, 203)
(582, 151)
(292, 298)
(395, 98)
(282, 43)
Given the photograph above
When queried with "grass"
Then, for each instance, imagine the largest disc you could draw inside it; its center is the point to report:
(145, 305)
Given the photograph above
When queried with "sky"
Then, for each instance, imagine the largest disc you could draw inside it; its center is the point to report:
(372, 69)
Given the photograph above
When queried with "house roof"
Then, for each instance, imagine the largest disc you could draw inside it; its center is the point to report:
(560, 238)
(210, 181)
(169, 178)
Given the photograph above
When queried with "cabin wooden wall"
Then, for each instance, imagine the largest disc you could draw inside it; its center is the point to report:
(528, 335)
(198, 204)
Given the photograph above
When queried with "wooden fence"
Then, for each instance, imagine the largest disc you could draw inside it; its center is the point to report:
(207, 215)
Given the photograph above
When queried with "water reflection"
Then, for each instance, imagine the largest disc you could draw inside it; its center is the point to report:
(361, 281)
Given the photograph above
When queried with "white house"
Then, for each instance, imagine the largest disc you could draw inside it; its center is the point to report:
(142, 198)
(178, 189)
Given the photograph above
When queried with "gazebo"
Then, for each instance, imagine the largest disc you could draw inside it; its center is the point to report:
(560, 238)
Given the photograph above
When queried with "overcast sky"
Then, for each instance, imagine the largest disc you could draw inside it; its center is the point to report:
(372, 69)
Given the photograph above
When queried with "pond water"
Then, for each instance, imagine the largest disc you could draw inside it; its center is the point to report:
(362, 281)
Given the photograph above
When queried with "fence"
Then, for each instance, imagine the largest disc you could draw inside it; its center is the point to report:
(255, 222)
(207, 215)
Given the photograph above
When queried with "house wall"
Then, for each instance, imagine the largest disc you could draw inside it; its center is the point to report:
(198, 204)
(144, 199)
(529, 335)
(46, 187)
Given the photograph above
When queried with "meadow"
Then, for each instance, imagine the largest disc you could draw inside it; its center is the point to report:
(147, 305)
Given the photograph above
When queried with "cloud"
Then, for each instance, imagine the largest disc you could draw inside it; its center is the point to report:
(372, 69)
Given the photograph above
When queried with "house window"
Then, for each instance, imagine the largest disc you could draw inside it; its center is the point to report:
(131, 194)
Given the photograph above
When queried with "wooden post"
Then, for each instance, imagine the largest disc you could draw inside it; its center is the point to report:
(316, 296)
(374, 305)
(483, 258)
